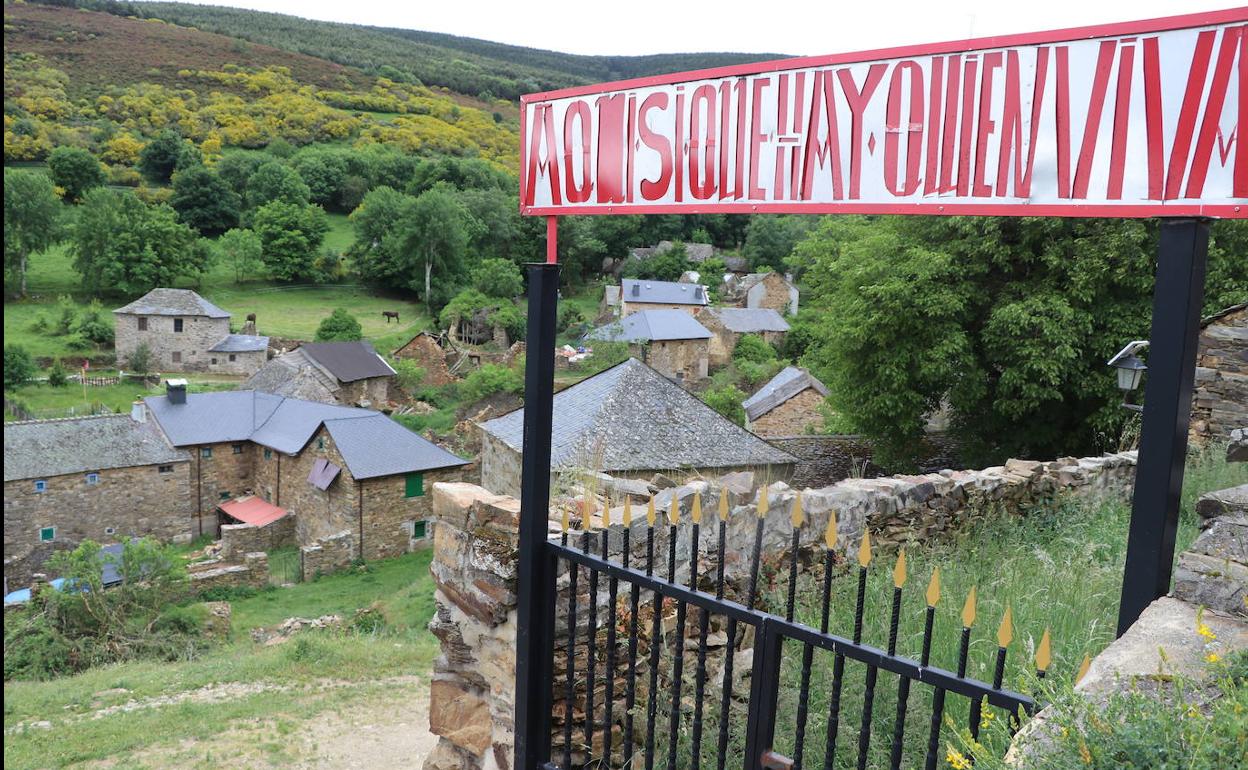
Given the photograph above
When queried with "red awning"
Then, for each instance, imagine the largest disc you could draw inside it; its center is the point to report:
(252, 510)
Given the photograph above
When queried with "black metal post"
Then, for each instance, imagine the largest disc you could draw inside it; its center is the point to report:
(1177, 297)
(535, 621)
(764, 694)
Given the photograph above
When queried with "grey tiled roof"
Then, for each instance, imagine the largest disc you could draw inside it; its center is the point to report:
(173, 302)
(785, 385)
(630, 417)
(348, 361)
(240, 343)
(663, 292)
(378, 446)
(652, 325)
(41, 448)
(375, 446)
(749, 320)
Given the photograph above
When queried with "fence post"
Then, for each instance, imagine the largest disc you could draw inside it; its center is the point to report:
(1177, 297)
(535, 619)
(764, 693)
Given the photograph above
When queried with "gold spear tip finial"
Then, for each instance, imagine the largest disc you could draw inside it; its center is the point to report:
(1083, 669)
(764, 502)
(968, 609)
(1005, 632)
(723, 505)
(606, 512)
(587, 521)
(628, 511)
(795, 515)
(829, 535)
(1044, 653)
(899, 569)
(673, 513)
(696, 512)
(864, 550)
(567, 519)
(933, 588)
(650, 515)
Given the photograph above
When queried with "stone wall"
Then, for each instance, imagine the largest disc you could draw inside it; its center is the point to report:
(792, 418)
(248, 538)
(500, 466)
(724, 341)
(773, 292)
(826, 459)
(127, 502)
(628, 308)
(681, 360)
(426, 352)
(244, 363)
(198, 335)
(1220, 403)
(389, 512)
(329, 554)
(319, 513)
(249, 569)
(374, 391)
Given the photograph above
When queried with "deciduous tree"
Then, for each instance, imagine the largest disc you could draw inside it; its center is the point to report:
(204, 201)
(290, 237)
(75, 171)
(32, 215)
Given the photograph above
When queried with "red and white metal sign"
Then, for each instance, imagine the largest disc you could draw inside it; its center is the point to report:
(1126, 120)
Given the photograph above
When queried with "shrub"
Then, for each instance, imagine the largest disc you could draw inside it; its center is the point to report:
(19, 366)
(340, 326)
(569, 315)
(410, 376)
(93, 326)
(140, 359)
(66, 314)
(753, 348)
(509, 317)
(58, 377)
(488, 380)
(728, 402)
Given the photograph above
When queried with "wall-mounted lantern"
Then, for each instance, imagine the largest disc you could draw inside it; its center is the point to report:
(1130, 371)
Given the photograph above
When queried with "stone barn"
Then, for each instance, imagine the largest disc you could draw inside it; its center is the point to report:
(428, 354)
(787, 405)
(631, 422)
(670, 341)
(104, 478)
(728, 324)
(770, 290)
(348, 373)
(1220, 403)
(184, 332)
(637, 295)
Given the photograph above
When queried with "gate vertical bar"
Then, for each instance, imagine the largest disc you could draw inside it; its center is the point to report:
(1177, 297)
(764, 694)
(535, 620)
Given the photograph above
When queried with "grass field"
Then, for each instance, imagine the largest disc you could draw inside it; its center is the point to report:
(46, 401)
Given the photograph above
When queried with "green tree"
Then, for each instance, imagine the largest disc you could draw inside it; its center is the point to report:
(497, 278)
(166, 153)
(770, 239)
(237, 167)
(204, 201)
(434, 230)
(339, 326)
(94, 326)
(727, 400)
(324, 171)
(74, 170)
(32, 216)
(58, 376)
(19, 366)
(290, 238)
(121, 244)
(753, 348)
(242, 251)
(667, 266)
(1007, 320)
(140, 361)
(276, 181)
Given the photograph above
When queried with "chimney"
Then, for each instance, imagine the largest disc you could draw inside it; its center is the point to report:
(176, 391)
(138, 411)
(637, 290)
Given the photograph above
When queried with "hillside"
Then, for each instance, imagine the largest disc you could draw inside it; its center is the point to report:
(463, 64)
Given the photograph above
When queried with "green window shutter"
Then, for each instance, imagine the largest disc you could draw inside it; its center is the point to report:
(47, 534)
(415, 485)
(419, 530)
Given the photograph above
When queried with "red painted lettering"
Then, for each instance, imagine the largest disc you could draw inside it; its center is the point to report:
(980, 188)
(912, 127)
(858, 101)
(653, 190)
(828, 152)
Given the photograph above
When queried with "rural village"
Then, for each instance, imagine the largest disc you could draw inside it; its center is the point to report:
(281, 349)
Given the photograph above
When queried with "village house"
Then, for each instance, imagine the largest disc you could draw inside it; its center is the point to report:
(427, 352)
(632, 422)
(348, 373)
(1220, 402)
(184, 332)
(637, 295)
(342, 472)
(728, 324)
(769, 290)
(788, 405)
(103, 478)
(670, 341)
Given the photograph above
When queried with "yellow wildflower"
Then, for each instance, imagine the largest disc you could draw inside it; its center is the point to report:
(957, 760)
(1212, 658)
(1204, 630)
(1193, 712)
(1084, 754)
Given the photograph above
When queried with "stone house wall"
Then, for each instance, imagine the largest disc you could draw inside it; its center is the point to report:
(429, 356)
(628, 308)
(721, 346)
(319, 513)
(226, 474)
(1220, 403)
(199, 333)
(792, 417)
(682, 360)
(134, 501)
(245, 363)
(773, 292)
(327, 555)
(389, 512)
(374, 390)
(500, 466)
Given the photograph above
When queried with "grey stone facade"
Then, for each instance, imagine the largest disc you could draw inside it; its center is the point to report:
(184, 332)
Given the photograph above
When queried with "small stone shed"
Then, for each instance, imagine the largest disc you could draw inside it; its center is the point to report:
(671, 341)
(728, 324)
(632, 422)
(427, 352)
(185, 333)
(1220, 403)
(770, 290)
(787, 405)
(348, 373)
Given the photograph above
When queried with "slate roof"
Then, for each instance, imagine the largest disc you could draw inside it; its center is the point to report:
(751, 279)
(41, 448)
(663, 292)
(697, 252)
(282, 376)
(348, 361)
(651, 326)
(372, 444)
(240, 343)
(749, 320)
(784, 386)
(630, 417)
(182, 302)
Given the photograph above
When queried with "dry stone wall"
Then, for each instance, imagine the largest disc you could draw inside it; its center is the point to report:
(248, 538)
(329, 554)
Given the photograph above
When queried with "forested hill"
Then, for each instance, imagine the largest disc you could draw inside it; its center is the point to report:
(463, 64)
